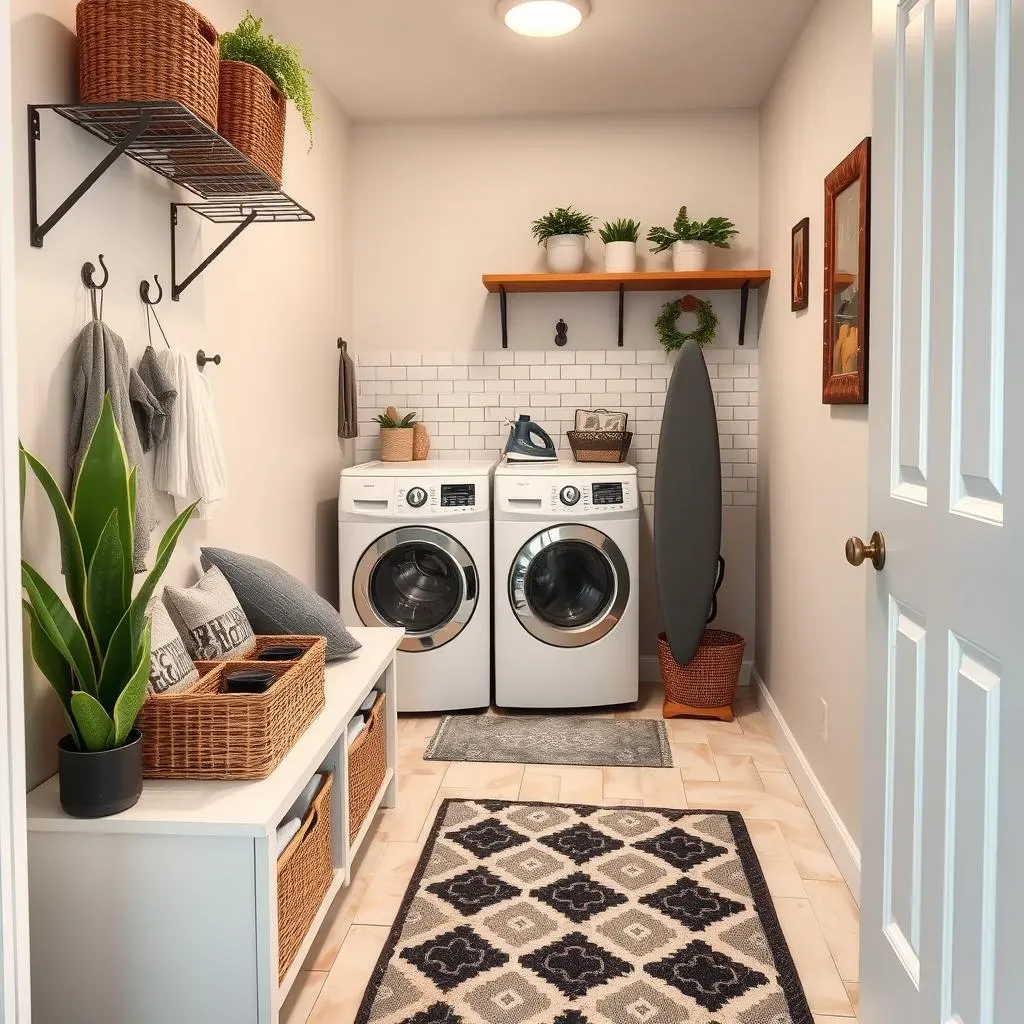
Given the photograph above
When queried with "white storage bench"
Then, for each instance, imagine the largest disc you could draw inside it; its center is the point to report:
(167, 913)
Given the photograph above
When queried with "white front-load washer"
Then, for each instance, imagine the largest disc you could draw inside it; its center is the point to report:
(566, 594)
(415, 552)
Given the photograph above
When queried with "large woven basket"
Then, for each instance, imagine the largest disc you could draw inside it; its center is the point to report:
(367, 768)
(252, 115)
(706, 685)
(202, 733)
(305, 870)
(144, 50)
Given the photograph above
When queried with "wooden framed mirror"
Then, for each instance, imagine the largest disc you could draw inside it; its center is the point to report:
(846, 263)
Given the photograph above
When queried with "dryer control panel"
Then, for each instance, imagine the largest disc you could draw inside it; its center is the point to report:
(569, 497)
(416, 498)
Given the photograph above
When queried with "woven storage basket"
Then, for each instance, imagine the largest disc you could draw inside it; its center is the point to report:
(252, 115)
(600, 445)
(144, 50)
(705, 685)
(367, 767)
(305, 871)
(396, 444)
(202, 733)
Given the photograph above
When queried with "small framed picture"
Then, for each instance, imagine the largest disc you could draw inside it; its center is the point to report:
(801, 264)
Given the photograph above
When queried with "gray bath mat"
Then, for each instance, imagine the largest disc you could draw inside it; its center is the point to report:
(552, 739)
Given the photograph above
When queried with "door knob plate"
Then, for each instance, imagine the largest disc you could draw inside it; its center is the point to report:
(857, 552)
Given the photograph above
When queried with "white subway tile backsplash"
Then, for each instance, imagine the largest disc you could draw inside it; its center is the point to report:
(514, 372)
(746, 385)
(373, 359)
(454, 401)
(605, 372)
(560, 357)
(466, 358)
(746, 413)
(545, 372)
(483, 373)
(654, 384)
(406, 358)
(453, 373)
(718, 355)
(733, 398)
(420, 372)
(640, 370)
(620, 356)
(575, 372)
(590, 358)
(734, 371)
(469, 387)
(500, 358)
(652, 355)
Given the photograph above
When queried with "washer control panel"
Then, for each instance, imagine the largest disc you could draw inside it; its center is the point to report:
(555, 495)
(417, 497)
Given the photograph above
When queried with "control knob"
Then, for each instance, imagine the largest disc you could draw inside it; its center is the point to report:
(569, 495)
(417, 497)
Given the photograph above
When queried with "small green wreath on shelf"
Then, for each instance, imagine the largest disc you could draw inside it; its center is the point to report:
(707, 323)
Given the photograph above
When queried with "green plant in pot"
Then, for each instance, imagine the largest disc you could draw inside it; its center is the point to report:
(564, 233)
(96, 653)
(691, 240)
(620, 238)
(397, 435)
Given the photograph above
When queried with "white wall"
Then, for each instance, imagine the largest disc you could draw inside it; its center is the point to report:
(273, 305)
(813, 458)
(436, 205)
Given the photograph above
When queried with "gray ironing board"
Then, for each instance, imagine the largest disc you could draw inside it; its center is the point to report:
(687, 504)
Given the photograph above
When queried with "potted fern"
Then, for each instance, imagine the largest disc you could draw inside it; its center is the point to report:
(620, 238)
(258, 75)
(564, 233)
(397, 434)
(691, 240)
(96, 654)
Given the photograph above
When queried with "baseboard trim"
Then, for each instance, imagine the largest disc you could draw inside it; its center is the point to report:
(651, 673)
(835, 833)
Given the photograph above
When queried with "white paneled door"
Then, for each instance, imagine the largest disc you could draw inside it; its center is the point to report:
(943, 847)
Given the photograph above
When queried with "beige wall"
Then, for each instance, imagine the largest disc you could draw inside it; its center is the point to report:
(272, 305)
(813, 458)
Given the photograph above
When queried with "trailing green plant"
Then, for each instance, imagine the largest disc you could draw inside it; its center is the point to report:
(96, 655)
(716, 231)
(562, 221)
(391, 419)
(280, 62)
(620, 231)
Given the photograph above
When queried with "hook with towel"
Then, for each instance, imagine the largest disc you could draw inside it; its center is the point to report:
(202, 359)
(150, 310)
(88, 279)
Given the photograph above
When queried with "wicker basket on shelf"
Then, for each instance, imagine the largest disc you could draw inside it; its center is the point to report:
(367, 767)
(147, 50)
(600, 445)
(705, 687)
(252, 114)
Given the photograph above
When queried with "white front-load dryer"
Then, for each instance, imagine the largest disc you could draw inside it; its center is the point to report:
(415, 552)
(566, 595)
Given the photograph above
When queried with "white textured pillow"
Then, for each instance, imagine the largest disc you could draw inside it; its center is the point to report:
(210, 619)
(170, 667)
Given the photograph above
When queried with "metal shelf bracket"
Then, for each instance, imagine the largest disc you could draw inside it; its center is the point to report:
(622, 312)
(503, 302)
(177, 287)
(744, 299)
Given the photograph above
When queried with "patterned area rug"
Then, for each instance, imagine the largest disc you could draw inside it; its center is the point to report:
(552, 739)
(523, 913)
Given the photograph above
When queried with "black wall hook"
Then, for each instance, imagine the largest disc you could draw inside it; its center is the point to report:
(202, 359)
(144, 291)
(561, 334)
(89, 269)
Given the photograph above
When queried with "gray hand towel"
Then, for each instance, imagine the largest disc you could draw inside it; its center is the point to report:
(348, 412)
(151, 416)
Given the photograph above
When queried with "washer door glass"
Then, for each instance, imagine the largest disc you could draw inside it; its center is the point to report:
(420, 580)
(569, 586)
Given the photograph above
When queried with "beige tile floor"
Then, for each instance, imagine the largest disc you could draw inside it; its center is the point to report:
(726, 766)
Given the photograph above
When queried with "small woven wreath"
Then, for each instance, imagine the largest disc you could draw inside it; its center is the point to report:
(707, 323)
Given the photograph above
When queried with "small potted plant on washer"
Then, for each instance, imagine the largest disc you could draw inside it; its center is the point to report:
(691, 240)
(564, 233)
(96, 654)
(397, 435)
(620, 238)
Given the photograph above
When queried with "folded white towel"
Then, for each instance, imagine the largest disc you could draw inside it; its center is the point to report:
(304, 800)
(355, 727)
(371, 699)
(286, 832)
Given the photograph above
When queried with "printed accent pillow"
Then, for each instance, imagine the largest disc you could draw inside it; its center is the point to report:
(170, 667)
(210, 619)
(278, 604)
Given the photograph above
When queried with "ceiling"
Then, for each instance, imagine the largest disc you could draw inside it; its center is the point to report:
(387, 59)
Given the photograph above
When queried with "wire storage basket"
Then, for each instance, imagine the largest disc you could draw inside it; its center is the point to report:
(600, 445)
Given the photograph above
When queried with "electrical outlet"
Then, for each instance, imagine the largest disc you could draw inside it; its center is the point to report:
(824, 720)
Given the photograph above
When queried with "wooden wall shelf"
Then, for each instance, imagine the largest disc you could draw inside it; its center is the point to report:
(654, 281)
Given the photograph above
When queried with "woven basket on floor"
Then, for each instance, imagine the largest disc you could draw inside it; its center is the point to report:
(145, 50)
(202, 733)
(705, 685)
(252, 115)
(367, 767)
(305, 870)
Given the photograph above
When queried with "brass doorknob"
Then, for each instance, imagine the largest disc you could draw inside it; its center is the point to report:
(857, 552)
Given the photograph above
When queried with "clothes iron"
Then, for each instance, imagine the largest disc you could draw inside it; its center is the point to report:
(528, 442)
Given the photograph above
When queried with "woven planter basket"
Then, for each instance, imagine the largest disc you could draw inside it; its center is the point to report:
(396, 444)
(706, 685)
(147, 50)
(367, 768)
(252, 115)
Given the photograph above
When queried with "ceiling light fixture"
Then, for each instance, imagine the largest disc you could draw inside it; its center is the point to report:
(543, 19)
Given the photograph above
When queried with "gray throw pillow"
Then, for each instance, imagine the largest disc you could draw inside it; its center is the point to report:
(170, 667)
(210, 619)
(277, 603)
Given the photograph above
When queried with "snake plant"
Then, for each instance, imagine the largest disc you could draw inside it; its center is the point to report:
(96, 654)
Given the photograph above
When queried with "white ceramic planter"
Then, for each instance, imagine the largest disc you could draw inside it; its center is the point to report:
(619, 257)
(565, 253)
(690, 256)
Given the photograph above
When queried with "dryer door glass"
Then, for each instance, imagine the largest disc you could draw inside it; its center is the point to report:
(419, 579)
(569, 585)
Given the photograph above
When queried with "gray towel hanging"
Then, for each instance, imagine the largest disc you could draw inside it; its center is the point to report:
(348, 412)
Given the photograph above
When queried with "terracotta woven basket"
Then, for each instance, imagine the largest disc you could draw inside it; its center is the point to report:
(202, 733)
(367, 768)
(252, 115)
(145, 50)
(396, 444)
(305, 871)
(705, 686)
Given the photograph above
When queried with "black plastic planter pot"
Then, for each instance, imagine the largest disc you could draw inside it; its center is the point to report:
(94, 785)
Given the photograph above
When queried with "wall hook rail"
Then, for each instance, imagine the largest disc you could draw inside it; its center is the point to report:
(89, 275)
(144, 291)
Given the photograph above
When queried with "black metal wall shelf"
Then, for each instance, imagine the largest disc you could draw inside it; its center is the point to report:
(170, 140)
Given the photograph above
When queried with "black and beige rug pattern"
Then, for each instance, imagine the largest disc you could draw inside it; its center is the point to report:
(523, 913)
